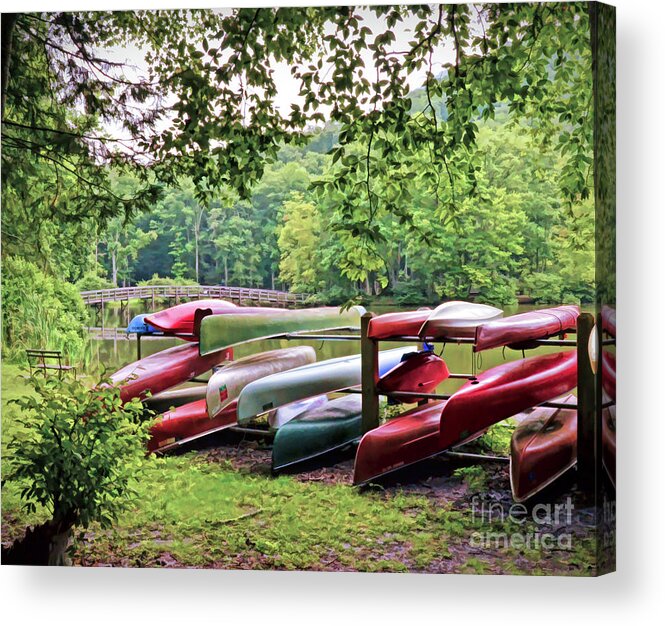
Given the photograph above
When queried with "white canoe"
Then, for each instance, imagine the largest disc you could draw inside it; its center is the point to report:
(226, 383)
(458, 319)
(283, 415)
(317, 379)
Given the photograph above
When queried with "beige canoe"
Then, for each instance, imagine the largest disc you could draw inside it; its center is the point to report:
(226, 384)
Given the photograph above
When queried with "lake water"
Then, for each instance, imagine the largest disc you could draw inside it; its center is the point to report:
(114, 353)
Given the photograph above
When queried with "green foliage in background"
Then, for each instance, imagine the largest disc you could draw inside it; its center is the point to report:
(39, 311)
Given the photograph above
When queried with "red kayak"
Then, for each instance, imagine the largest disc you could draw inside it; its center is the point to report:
(406, 323)
(165, 369)
(494, 395)
(419, 371)
(543, 447)
(179, 319)
(189, 422)
(519, 330)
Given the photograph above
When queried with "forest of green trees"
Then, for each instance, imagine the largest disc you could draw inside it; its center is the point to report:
(515, 236)
(478, 182)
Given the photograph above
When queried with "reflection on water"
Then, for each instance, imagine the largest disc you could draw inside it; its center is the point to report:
(114, 353)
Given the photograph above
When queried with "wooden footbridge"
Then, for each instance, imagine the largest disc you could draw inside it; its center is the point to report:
(176, 294)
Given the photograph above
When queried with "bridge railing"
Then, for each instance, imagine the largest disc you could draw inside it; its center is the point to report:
(262, 296)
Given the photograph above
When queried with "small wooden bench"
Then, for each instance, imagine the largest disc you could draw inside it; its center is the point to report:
(48, 360)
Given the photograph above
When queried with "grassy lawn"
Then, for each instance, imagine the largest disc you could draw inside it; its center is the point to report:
(199, 510)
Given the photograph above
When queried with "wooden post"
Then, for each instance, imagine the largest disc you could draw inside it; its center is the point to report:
(369, 350)
(138, 346)
(587, 422)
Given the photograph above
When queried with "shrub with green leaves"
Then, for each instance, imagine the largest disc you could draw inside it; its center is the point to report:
(40, 311)
(91, 281)
(78, 451)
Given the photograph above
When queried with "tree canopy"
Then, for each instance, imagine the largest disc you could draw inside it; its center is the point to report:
(204, 103)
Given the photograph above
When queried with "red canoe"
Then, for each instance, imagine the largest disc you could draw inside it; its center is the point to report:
(189, 422)
(543, 447)
(503, 391)
(406, 323)
(179, 319)
(526, 327)
(494, 395)
(165, 369)
(407, 439)
(419, 371)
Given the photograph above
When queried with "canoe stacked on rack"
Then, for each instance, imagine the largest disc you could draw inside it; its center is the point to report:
(453, 320)
(322, 430)
(164, 370)
(520, 331)
(492, 396)
(316, 379)
(543, 447)
(186, 423)
(222, 331)
(227, 383)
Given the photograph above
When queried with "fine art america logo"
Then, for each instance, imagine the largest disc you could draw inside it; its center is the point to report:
(545, 517)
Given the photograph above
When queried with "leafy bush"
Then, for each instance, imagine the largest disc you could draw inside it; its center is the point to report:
(157, 280)
(500, 293)
(76, 456)
(39, 311)
(92, 281)
(411, 292)
(544, 288)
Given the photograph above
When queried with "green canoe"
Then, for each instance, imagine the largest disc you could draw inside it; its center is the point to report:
(221, 331)
(336, 424)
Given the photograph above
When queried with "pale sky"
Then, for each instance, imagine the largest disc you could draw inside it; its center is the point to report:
(288, 86)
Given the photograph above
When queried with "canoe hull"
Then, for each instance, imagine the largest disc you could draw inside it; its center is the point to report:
(186, 423)
(400, 442)
(320, 431)
(179, 319)
(420, 371)
(223, 331)
(503, 391)
(496, 394)
(139, 325)
(520, 329)
(163, 370)
(226, 384)
(458, 319)
(283, 415)
(543, 448)
(402, 324)
(165, 400)
(316, 379)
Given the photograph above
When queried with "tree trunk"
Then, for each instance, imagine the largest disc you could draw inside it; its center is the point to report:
(226, 271)
(114, 269)
(46, 544)
(8, 22)
(196, 255)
